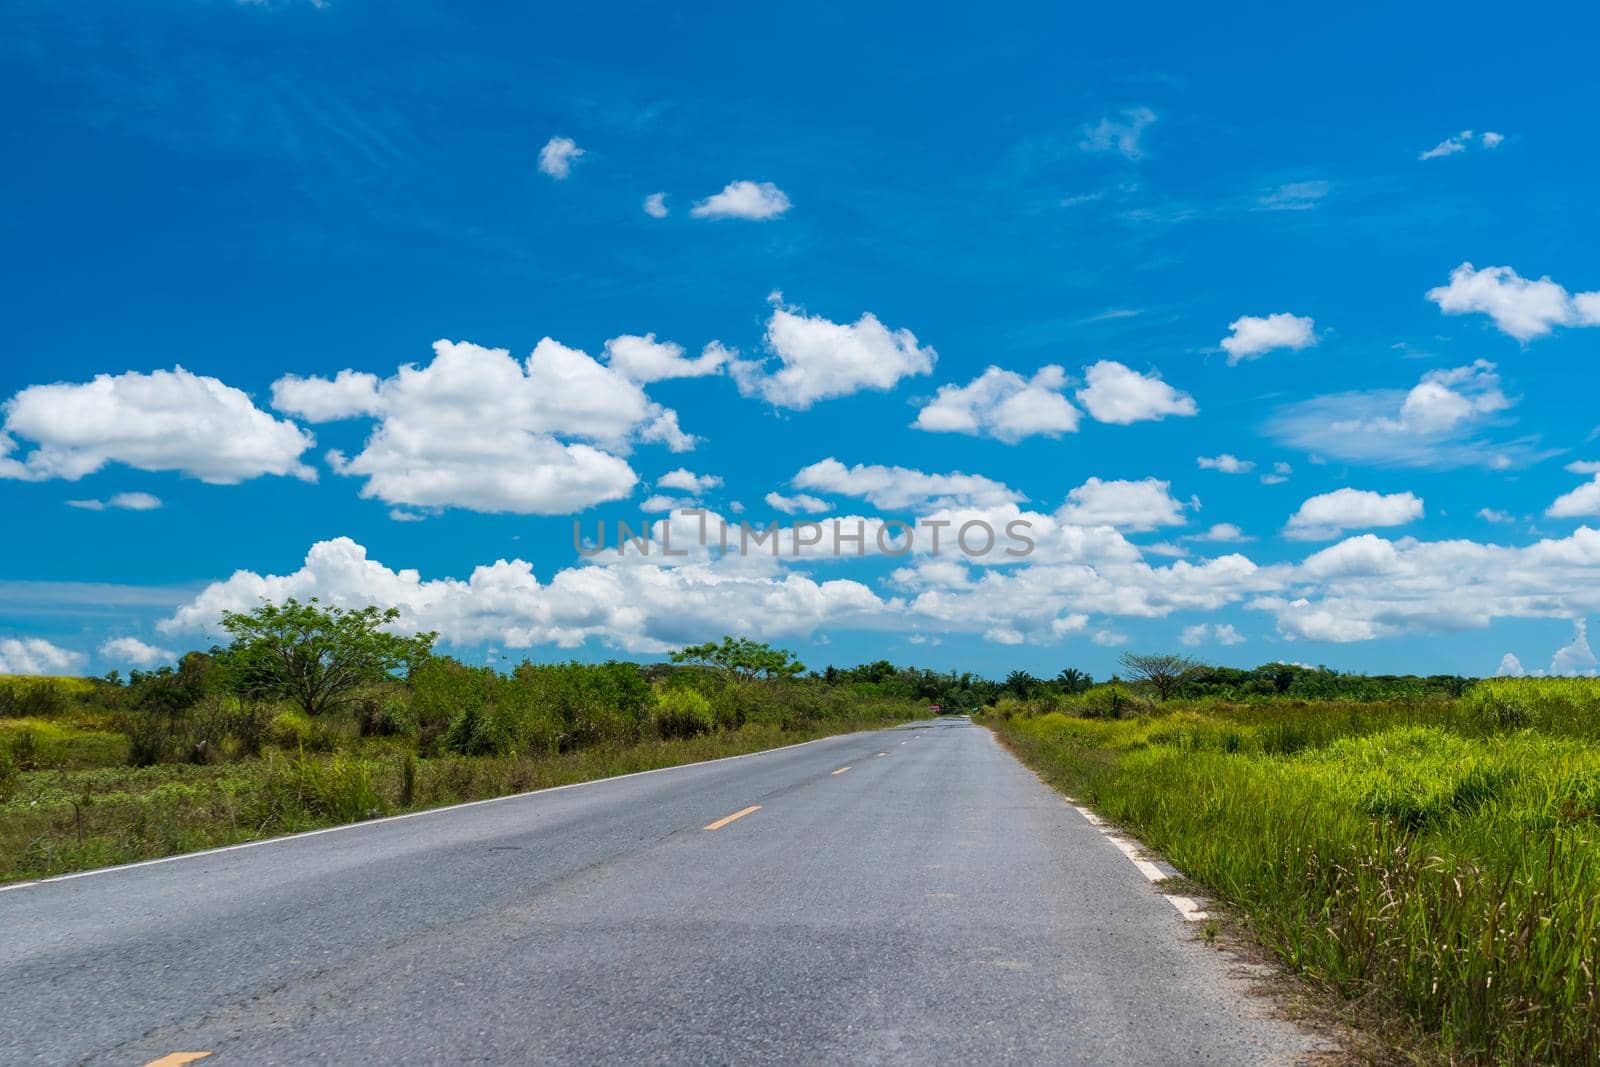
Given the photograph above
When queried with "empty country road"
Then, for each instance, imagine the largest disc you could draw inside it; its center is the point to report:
(912, 895)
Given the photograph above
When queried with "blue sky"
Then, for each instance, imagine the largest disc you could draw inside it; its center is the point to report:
(864, 211)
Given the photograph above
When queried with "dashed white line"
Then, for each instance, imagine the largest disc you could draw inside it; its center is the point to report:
(1188, 907)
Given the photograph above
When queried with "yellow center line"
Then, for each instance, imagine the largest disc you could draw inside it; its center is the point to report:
(841, 770)
(177, 1059)
(726, 819)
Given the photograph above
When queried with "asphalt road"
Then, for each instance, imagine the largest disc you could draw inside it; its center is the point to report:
(934, 903)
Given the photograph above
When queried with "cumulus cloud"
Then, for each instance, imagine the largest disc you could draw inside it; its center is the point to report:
(1519, 307)
(819, 359)
(799, 503)
(346, 395)
(756, 201)
(136, 652)
(1584, 500)
(1222, 633)
(1460, 142)
(1128, 505)
(636, 607)
(1279, 474)
(1439, 422)
(1323, 516)
(120, 502)
(901, 488)
(1510, 667)
(1223, 532)
(1004, 405)
(162, 421)
(655, 205)
(1576, 657)
(1120, 395)
(1122, 133)
(1226, 463)
(477, 429)
(35, 655)
(687, 481)
(557, 155)
(1252, 336)
(644, 359)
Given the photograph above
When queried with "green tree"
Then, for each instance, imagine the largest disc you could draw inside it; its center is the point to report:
(1165, 673)
(1072, 680)
(743, 658)
(316, 656)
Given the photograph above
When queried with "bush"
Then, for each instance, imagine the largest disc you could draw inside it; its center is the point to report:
(291, 730)
(681, 712)
(385, 714)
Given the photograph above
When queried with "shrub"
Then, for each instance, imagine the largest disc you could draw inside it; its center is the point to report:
(290, 729)
(384, 714)
(681, 712)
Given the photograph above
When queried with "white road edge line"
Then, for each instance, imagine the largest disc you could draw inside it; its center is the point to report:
(1188, 907)
(405, 815)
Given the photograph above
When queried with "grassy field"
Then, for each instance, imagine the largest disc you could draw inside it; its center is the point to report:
(93, 774)
(1434, 858)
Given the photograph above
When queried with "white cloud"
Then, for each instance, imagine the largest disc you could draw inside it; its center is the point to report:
(1004, 405)
(1583, 466)
(1368, 587)
(627, 604)
(35, 655)
(1227, 463)
(819, 359)
(1437, 423)
(1462, 141)
(1121, 133)
(347, 395)
(655, 205)
(1251, 336)
(134, 651)
(1295, 196)
(1576, 657)
(1128, 505)
(1222, 633)
(555, 158)
(162, 421)
(1109, 638)
(900, 488)
(121, 501)
(477, 429)
(1223, 533)
(1322, 517)
(1521, 308)
(1510, 667)
(799, 503)
(1584, 500)
(644, 359)
(688, 481)
(1496, 515)
(1280, 474)
(1117, 394)
(756, 201)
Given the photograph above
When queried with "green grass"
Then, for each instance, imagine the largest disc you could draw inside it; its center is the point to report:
(1439, 859)
(59, 820)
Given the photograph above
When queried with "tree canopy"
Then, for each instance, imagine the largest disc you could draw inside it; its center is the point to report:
(316, 656)
(1166, 673)
(743, 658)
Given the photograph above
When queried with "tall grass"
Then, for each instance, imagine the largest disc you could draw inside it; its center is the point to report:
(1442, 861)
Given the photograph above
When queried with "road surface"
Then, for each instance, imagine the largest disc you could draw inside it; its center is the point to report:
(933, 903)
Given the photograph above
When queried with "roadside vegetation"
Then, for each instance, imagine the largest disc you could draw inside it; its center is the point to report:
(1428, 848)
(313, 716)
